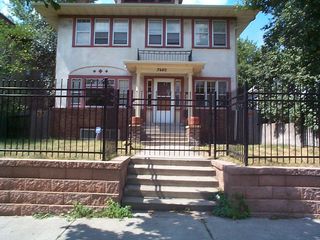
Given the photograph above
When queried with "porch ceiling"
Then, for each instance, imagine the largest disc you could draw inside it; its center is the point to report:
(160, 67)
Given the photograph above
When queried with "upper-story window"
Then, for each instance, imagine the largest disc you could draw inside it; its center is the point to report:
(155, 29)
(83, 31)
(201, 32)
(97, 32)
(120, 32)
(173, 34)
(101, 31)
(210, 34)
(219, 33)
(164, 33)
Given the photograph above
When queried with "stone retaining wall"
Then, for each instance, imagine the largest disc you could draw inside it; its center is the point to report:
(30, 186)
(273, 191)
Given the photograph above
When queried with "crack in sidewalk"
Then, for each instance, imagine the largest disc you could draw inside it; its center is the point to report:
(69, 225)
(203, 221)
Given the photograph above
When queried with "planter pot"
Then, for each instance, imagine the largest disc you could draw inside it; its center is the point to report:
(193, 121)
(136, 121)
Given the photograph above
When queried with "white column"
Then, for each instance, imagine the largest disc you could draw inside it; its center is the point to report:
(190, 87)
(138, 94)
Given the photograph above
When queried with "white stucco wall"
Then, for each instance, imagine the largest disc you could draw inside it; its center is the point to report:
(219, 62)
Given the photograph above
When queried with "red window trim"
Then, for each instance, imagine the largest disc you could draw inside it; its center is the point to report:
(164, 32)
(92, 19)
(116, 78)
(213, 79)
(211, 33)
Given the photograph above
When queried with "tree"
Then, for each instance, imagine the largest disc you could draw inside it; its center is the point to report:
(248, 57)
(15, 50)
(290, 59)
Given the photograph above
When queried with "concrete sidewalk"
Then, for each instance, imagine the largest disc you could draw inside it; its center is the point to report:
(159, 225)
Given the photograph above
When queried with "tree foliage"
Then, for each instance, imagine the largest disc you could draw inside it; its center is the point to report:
(15, 49)
(248, 57)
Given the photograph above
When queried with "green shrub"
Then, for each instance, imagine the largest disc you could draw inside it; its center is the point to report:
(234, 207)
(112, 209)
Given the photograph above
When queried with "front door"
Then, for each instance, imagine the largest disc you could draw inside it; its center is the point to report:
(164, 107)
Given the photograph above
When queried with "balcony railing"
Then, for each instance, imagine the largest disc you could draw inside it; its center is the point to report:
(158, 55)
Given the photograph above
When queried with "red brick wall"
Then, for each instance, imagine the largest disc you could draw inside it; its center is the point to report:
(67, 122)
(273, 191)
(30, 186)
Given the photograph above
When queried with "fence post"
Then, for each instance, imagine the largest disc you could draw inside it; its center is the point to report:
(116, 106)
(127, 120)
(215, 123)
(227, 121)
(245, 124)
(210, 119)
(104, 119)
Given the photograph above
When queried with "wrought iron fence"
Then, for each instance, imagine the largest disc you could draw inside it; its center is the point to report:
(40, 120)
(158, 55)
(275, 126)
(48, 120)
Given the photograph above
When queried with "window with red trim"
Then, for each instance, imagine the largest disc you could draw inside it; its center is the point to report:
(95, 32)
(89, 91)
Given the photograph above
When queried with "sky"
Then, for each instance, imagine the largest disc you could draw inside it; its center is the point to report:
(253, 32)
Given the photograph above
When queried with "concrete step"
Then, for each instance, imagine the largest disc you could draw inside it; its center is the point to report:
(178, 181)
(170, 170)
(165, 137)
(168, 204)
(166, 143)
(53, 198)
(170, 191)
(176, 161)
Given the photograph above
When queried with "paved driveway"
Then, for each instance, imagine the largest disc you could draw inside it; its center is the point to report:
(159, 225)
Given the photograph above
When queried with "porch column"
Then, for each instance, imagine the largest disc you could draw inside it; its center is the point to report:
(190, 87)
(137, 94)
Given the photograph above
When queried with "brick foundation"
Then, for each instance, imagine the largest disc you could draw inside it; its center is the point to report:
(30, 186)
(273, 191)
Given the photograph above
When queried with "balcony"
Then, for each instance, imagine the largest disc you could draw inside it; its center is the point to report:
(159, 55)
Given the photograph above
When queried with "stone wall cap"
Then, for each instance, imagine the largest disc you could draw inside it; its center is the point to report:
(115, 163)
(265, 170)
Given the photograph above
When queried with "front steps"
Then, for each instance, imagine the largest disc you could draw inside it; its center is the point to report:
(170, 184)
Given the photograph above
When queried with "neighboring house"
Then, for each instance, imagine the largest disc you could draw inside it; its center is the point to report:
(157, 48)
(5, 19)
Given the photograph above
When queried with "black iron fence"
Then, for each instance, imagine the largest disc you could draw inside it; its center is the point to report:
(158, 55)
(48, 120)
(275, 126)
(40, 120)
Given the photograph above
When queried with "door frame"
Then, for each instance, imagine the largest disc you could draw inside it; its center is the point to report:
(171, 115)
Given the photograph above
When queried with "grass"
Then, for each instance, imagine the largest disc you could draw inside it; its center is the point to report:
(57, 149)
(278, 155)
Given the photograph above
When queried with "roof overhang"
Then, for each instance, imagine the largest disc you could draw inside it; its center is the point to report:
(243, 16)
(162, 67)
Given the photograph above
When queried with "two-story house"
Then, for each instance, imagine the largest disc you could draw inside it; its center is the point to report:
(160, 49)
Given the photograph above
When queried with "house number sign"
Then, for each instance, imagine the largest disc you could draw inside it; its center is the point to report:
(161, 70)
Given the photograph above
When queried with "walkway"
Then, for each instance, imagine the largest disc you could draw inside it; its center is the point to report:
(162, 226)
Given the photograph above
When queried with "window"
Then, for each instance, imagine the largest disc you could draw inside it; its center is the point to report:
(87, 133)
(177, 92)
(173, 33)
(219, 34)
(101, 31)
(123, 91)
(94, 92)
(201, 33)
(149, 92)
(155, 28)
(83, 32)
(91, 91)
(204, 92)
(75, 92)
(120, 32)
